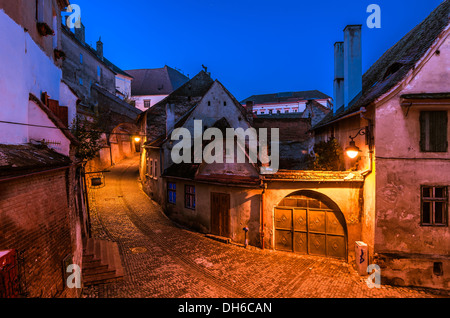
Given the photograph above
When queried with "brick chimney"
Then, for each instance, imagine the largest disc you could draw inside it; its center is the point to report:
(249, 110)
(100, 48)
(352, 63)
(338, 84)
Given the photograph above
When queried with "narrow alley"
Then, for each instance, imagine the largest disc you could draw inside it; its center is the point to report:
(161, 259)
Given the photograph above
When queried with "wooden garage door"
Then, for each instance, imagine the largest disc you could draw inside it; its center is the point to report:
(306, 230)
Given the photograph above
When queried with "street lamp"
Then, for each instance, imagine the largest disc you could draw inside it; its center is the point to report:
(352, 150)
(137, 143)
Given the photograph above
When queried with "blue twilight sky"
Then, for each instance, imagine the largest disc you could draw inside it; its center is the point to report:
(251, 46)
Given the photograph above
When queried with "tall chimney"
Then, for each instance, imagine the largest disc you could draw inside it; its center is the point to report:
(100, 48)
(79, 33)
(338, 84)
(352, 63)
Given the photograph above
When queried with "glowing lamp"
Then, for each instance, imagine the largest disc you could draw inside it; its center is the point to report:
(352, 150)
(137, 139)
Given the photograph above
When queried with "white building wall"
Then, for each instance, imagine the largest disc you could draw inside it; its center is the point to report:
(24, 69)
(154, 99)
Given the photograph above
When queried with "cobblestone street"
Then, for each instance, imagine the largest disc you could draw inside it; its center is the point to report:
(164, 260)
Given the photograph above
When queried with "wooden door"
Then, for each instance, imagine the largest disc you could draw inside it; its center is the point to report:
(220, 214)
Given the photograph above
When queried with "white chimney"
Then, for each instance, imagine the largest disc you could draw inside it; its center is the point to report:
(352, 63)
(338, 84)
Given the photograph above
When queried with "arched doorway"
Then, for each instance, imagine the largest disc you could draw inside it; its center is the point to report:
(308, 222)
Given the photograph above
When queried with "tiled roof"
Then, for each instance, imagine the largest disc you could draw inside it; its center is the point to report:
(285, 97)
(157, 81)
(396, 63)
(308, 175)
(20, 159)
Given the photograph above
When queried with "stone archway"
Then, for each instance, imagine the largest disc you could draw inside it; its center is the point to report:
(308, 222)
(121, 141)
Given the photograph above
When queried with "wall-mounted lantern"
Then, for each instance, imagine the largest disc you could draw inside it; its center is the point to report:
(352, 150)
(137, 143)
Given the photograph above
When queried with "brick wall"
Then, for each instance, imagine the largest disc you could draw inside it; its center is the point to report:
(37, 219)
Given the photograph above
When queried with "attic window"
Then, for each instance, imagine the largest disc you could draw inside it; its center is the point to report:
(392, 69)
(209, 103)
(224, 103)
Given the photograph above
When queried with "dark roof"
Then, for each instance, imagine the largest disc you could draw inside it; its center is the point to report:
(19, 159)
(395, 63)
(285, 97)
(157, 81)
(185, 97)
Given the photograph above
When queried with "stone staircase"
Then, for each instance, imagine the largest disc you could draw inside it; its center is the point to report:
(101, 262)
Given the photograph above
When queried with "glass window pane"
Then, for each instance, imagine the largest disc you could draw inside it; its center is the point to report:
(439, 193)
(426, 212)
(426, 192)
(438, 212)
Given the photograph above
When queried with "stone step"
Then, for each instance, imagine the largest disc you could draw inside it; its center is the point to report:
(102, 263)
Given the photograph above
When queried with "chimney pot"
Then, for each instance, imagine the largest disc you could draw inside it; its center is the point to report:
(100, 48)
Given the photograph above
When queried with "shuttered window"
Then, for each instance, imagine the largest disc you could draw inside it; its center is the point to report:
(433, 131)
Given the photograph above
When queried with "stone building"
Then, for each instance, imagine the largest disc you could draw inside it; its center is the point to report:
(238, 200)
(43, 218)
(286, 102)
(396, 115)
(103, 89)
(150, 86)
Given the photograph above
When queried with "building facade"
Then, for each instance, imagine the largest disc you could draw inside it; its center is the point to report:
(286, 102)
(44, 217)
(399, 122)
(150, 86)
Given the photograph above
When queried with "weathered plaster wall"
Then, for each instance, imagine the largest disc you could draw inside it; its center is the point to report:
(401, 169)
(244, 209)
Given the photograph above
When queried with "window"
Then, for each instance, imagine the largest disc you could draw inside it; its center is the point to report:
(270, 111)
(147, 103)
(189, 197)
(81, 58)
(150, 168)
(171, 192)
(155, 174)
(209, 103)
(433, 131)
(224, 103)
(434, 205)
(80, 80)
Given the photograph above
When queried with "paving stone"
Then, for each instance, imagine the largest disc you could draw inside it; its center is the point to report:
(161, 259)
